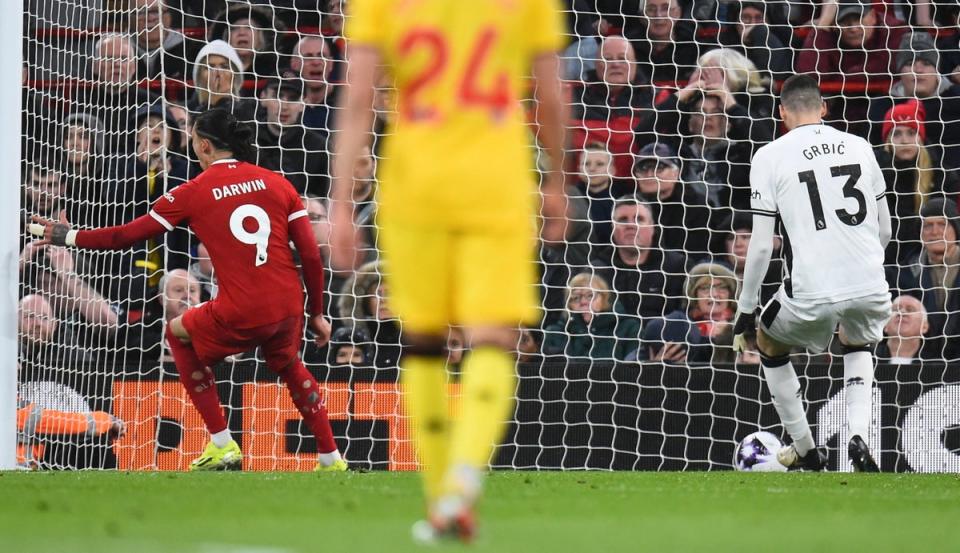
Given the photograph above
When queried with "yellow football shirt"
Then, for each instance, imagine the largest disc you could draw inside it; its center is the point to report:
(458, 152)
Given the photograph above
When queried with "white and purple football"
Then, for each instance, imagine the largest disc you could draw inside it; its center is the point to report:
(758, 453)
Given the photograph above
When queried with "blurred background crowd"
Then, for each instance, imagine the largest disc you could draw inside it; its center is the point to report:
(669, 101)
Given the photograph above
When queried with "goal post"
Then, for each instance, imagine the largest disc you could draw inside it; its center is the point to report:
(11, 82)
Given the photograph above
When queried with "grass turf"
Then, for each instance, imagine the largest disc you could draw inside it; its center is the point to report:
(524, 511)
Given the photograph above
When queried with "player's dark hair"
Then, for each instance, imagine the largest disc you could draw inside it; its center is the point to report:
(226, 133)
(801, 93)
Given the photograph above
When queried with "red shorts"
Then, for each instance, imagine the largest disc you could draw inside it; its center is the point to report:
(213, 338)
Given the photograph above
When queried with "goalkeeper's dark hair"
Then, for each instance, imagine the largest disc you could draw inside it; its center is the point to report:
(226, 133)
(801, 93)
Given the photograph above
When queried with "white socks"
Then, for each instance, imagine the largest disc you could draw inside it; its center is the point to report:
(327, 459)
(785, 391)
(222, 438)
(858, 382)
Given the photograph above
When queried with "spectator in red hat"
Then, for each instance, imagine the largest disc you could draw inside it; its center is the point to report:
(913, 175)
(909, 114)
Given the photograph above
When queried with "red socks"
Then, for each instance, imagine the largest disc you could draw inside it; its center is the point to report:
(201, 387)
(306, 395)
(199, 382)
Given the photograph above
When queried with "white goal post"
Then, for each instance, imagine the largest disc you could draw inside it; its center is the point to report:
(11, 83)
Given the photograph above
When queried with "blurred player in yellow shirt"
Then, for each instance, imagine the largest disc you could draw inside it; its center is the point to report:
(457, 201)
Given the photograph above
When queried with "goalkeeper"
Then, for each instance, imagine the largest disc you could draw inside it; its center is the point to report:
(35, 422)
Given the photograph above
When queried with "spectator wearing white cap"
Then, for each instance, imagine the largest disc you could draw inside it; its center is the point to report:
(217, 80)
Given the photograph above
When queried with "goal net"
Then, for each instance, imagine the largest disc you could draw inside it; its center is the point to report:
(631, 366)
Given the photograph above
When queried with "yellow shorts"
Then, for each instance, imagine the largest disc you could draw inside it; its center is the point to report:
(436, 277)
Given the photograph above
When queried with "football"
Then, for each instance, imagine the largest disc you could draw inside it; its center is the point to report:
(758, 453)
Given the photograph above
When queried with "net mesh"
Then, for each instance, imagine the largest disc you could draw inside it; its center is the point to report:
(631, 366)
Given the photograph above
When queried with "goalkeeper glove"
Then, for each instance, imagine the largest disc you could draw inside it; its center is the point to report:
(55, 233)
(743, 330)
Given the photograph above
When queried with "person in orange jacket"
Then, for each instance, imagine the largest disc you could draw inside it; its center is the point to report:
(34, 422)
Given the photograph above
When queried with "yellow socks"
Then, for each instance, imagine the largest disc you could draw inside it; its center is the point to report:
(425, 387)
(454, 454)
(487, 390)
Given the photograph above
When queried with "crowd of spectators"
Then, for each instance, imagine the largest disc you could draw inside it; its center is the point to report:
(670, 99)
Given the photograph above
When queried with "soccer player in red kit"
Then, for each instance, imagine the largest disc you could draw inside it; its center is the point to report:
(246, 216)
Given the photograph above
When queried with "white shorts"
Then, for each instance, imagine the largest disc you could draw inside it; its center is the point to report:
(802, 323)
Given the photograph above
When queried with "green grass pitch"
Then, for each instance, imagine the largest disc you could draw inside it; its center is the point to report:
(523, 511)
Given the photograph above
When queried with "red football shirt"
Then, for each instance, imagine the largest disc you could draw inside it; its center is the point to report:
(241, 213)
